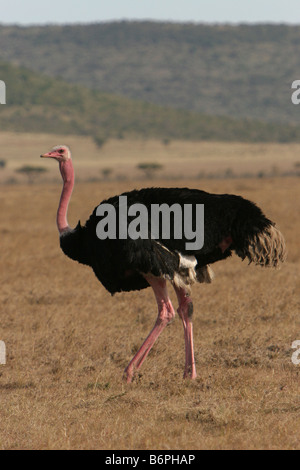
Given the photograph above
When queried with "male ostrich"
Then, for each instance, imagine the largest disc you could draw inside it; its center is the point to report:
(231, 223)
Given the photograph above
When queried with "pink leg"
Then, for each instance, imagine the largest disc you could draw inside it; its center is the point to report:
(185, 312)
(165, 315)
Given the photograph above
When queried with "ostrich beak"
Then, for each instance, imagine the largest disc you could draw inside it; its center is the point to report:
(47, 155)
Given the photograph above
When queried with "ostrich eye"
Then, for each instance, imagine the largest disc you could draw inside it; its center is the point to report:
(61, 151)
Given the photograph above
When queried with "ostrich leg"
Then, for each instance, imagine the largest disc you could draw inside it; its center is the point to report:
(185, 311)
(165, 315)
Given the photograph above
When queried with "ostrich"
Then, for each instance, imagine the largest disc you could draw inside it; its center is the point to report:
(231, 224)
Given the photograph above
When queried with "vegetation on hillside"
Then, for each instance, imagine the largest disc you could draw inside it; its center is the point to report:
(37, 103)
(240, 71)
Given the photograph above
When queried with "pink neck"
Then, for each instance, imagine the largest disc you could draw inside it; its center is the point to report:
(67, 173)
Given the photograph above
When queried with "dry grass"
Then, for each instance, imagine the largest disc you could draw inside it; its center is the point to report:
(179, 159)
(68, 340)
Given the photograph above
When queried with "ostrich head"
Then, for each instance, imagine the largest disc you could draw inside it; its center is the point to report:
(61, 153)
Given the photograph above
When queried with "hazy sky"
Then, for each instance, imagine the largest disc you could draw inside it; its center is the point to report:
(70, 11)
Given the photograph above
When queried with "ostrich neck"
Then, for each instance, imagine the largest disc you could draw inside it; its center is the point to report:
(67, 173)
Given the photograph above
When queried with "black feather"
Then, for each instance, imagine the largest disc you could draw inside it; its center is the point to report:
(119, 264)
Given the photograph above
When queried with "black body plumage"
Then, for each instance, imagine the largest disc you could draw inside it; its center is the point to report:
(118, 263)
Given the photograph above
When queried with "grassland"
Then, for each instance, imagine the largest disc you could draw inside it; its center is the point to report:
(68, 340)
(179, 159)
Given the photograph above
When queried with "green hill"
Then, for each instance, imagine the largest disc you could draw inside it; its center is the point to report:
(240, 71)
(37, 103)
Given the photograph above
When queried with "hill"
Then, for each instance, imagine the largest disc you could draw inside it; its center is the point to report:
(37, 103)
(240, 71)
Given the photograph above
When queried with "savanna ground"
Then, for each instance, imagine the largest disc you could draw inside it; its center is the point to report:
(68, 341)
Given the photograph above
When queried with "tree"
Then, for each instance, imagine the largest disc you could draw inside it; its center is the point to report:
(100, 140)
(149, 169)
(106, 172)
(32, 172)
